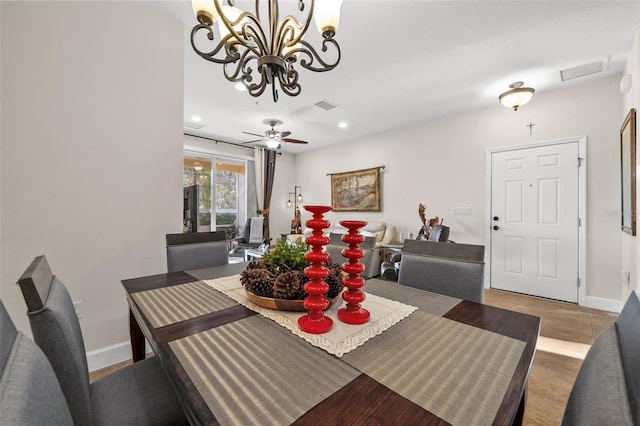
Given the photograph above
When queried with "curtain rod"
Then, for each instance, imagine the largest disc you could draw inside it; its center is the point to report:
(338, 173)
(219, 141)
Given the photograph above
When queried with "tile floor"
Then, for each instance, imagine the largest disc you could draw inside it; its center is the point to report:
(566, 334)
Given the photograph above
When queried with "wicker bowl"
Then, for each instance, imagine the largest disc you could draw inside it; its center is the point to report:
(279, 304)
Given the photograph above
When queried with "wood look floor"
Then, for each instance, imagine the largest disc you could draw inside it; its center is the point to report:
(566, 334)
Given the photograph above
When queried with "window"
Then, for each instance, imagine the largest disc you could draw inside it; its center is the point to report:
(222, 184)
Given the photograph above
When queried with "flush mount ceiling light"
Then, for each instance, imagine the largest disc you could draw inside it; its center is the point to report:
(258, 49)
(517, 96)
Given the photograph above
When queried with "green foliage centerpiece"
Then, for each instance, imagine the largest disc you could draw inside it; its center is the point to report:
(279, 274)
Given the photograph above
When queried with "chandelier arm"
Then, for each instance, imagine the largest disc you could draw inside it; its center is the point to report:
(313, 55)
(210, 55)
(241, 65)
(289, 82)
(287, 27)
(259, 36)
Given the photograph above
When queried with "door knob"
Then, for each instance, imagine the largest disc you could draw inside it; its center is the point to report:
(495, 218)
(496, 227)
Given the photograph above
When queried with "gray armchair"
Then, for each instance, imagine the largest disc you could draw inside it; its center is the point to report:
(455, 270)
(245, 241)
(30, 391)
(139, 394)
(196, 250)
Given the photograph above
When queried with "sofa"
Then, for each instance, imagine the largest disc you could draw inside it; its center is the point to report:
(607, 388)
(376, 233)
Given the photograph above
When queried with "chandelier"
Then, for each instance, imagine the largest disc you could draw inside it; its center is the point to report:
(258, 49)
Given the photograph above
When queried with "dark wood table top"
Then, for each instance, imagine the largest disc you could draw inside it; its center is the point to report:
(375, 403)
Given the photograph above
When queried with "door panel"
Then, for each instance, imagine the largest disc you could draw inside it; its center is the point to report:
(534, 195)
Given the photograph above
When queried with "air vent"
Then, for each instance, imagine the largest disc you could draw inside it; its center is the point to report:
(193, 125)
(326, 105)
(581, 71)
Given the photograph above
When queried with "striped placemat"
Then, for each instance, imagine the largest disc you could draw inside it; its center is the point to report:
(458, 372)
(434, 303)
(176, 303)
(254, 372)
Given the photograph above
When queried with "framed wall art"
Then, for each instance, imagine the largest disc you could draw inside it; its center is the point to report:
(628, 172)
(356, 191)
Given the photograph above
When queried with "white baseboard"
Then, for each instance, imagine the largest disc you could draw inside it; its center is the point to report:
(608, 305)
(104, 357)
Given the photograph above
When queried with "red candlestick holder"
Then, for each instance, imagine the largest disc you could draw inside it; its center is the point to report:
(314, 321)
(353, 313)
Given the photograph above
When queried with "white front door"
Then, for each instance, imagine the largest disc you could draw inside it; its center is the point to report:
(534, 221)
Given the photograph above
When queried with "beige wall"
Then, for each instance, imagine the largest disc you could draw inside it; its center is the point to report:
(631, 99)
(441, 163)
(91, 151)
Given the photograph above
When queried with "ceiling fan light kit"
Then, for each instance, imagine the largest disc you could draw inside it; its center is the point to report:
(261, 42)
(517, 96)
(272, 138)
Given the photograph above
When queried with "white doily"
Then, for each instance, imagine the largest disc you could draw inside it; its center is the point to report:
(342, 337)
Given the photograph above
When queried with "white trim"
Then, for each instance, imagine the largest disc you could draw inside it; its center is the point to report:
(608, 305)
(104, 357)
(582, 211)
(194, 150)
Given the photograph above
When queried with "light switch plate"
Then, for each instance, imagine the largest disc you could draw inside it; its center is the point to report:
(462, 211)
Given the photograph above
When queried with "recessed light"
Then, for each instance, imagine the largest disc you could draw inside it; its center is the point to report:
(241, 87)
(343, 125)
(196, 118)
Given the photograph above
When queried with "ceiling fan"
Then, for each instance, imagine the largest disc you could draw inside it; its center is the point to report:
(272, 138)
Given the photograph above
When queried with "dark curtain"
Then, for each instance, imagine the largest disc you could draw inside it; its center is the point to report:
(269, 173)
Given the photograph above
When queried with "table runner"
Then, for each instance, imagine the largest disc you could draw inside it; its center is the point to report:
(253, 371)
(176, 303)
(342, 338)
(458, 372)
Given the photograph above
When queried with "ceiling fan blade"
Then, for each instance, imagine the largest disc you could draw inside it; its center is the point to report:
(284, 134)
(254, 134)
(294, 141)
(257, 140)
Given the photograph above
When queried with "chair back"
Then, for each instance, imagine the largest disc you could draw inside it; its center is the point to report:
(196, 250)
(628, 330)
(455, 270)
(56, 330)
(29, 391)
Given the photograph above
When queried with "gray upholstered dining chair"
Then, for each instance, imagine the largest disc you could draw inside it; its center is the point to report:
(29, 390)
(196, 250)
(139, 394)
(455, 270)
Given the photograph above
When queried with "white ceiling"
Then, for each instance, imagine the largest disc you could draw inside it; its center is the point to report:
(405, 61)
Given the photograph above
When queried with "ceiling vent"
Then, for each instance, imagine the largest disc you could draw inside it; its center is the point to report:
(581, 70)
(326, 105)
(193, 125)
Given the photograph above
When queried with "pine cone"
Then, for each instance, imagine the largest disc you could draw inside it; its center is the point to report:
(334, 280)
(257, 281)
(286, 285)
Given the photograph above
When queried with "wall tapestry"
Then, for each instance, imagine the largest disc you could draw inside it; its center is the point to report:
(628, 175)
(357, 191)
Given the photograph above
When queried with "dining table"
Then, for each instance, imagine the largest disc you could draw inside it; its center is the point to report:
(422, 358)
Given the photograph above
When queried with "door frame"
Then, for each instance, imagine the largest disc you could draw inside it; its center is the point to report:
(582, 208)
